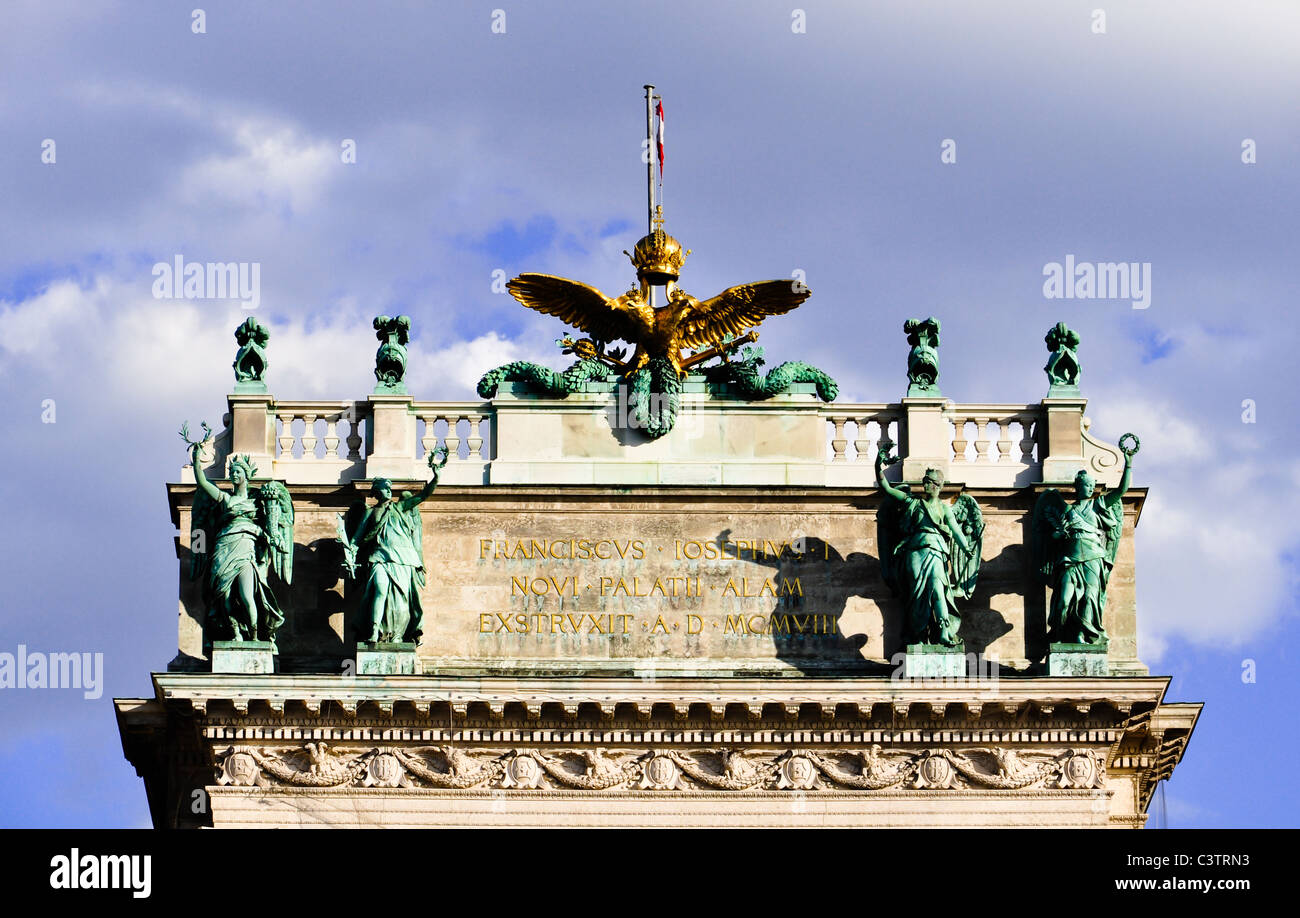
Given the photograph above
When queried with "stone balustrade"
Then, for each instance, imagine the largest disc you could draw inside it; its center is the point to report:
(791, 439)
(994, 443)
(314, 431)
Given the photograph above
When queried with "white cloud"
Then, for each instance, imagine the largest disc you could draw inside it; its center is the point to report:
(1211, 544)
(271, 163)
(129, 346)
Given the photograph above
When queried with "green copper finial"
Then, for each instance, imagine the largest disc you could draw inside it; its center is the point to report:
(1063, 365)
(251, 362)
(923, 360)
(390, 359)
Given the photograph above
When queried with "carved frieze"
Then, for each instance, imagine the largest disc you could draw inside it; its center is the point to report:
(599, 769)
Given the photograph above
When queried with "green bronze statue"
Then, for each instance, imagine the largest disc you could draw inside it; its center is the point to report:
(1074, 550)
(384, 544)
(251, 361)
(923, 358)
(238, 541)
(390, 359)
(929, 554)
(1063, 363)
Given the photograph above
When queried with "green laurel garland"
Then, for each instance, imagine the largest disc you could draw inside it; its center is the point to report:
(656, 381)
(655, 390)
(544, 380)
(750, 384)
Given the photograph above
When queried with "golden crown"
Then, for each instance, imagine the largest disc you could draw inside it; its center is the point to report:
(658, 257)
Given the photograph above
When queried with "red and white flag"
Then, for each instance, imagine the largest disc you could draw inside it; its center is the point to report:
(659, 110)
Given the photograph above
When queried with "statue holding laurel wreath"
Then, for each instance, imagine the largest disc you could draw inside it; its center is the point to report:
(384, 543)
(1074, 548)
(239, 538)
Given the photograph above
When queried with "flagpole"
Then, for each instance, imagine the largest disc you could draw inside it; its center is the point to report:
(650, 171)
(650, 158)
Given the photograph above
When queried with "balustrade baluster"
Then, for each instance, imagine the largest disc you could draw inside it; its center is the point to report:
(475, 439)
(429, 441)
(959, 441)
(332, 436)
(354, 436)
(862, 445)
(309, 436)
(1027, 437)
(982, 440)
(1004, 439)
(452, 440)
(286, 437)
(838, 443)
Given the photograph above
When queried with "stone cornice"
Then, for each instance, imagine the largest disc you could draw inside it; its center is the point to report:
(1040, 694)
(1042, 739)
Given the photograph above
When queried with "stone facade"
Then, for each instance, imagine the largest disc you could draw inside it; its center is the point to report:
(410, 750)
(692, 631)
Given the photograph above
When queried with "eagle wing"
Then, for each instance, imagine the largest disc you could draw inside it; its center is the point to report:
(583, 307)
(737, 309)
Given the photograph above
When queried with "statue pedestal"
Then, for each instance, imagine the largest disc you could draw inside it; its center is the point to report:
(243, 657)
(1077, 660)
(382, 659)
(934, 661)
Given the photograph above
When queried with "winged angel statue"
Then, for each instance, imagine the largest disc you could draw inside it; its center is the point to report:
(929, 554)
(657, 365)
(238, 540)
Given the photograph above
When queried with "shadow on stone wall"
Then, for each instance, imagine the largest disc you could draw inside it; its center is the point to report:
(828, 580)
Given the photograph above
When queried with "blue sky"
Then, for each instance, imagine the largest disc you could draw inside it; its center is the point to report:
(520, 151)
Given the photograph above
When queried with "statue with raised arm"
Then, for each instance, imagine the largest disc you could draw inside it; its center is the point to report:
(929, 554)
(1074, 549)
(382, 545)
(240, 539)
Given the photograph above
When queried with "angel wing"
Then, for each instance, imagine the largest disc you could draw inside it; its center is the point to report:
(966, 563)
(737, 309)
(1049, 513)
(585, 307)
(276, 518)
(204, 517)
(889, 534)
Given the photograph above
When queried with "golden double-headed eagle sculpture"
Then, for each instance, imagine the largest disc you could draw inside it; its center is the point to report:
(658, 331)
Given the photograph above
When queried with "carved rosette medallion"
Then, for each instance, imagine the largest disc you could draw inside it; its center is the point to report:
(522, 771)
(384, 770)
(935, 771)
(1079, 769)
(240, 769)
(661, 773)
(796, 772)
